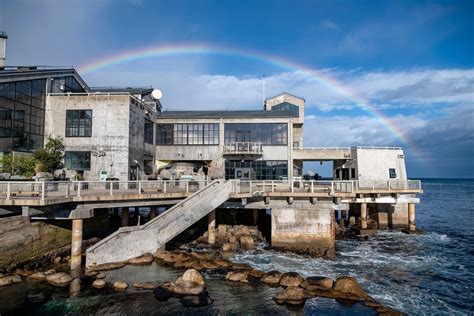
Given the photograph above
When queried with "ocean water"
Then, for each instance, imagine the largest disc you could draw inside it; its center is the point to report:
(428, 274)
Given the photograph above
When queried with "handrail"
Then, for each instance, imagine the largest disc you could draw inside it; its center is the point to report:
(243, 147)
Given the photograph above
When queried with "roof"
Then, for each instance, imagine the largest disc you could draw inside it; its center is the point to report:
(285, 93)
(223, 114)
(131, 90)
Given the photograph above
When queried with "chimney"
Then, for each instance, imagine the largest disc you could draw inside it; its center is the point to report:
(3, 49)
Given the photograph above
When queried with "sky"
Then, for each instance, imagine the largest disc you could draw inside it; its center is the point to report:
(373, 73)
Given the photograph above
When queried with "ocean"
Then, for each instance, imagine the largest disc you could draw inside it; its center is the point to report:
(427, 274)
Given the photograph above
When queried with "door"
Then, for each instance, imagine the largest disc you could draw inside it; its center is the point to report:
(242, 136)
(345, 173)
(243, 173)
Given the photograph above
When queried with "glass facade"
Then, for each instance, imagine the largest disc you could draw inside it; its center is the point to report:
(78, 160)
(78, 123)
(148, 133)
(259, 169)
(285, 106)
(22, 105)
(188, 134)
(64, 85)
(265, 133)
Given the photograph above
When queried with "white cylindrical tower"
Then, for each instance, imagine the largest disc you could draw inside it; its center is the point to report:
(3, 48)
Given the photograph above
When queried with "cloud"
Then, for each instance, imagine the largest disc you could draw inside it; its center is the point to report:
(328, 25)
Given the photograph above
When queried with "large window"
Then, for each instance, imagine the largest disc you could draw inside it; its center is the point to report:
(188, 134)
(285, 106)
(78, 160)
(78, 123)
(259, 170)
(148, 133)
(265, 133)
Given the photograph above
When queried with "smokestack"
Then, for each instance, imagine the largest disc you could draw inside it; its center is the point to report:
(3, 49)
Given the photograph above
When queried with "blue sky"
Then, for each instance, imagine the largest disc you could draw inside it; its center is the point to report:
(412, 60)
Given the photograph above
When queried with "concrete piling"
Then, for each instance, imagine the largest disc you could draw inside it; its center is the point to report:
(76, 244)
(125, 216)
(411, 217)
(152, 212)
(255, 217)
(363, 215)
(211, 227)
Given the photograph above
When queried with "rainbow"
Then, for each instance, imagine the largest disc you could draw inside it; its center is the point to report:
(199, 49)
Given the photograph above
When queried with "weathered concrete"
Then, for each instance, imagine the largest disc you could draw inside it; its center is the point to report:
(391, 215)
(211, 227)
(304, 229)
(76, 244)
(153, 212)
(125, 216)
(411, 217)
(363, 215)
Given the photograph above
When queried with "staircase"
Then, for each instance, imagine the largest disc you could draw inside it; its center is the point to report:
(133, 241)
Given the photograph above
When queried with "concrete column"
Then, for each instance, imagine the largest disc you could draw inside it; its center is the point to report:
(363, 215)
(76, 244)
(135, 215)
(125, 216)
(344, 214)
(152, 212)
(255, 217)
(411, 217)
(211, 227)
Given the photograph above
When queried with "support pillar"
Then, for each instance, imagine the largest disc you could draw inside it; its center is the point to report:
(411, 217)
(255, 217)
(211, 227)
(152, 212)
(344, 214)
(125, 216)
(135, 215)
(76, 244)
(363, 215)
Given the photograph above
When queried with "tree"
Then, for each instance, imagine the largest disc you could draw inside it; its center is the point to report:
(50, 157)
(19, 164)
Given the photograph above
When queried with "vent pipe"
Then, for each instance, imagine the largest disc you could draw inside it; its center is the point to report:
(3, 49)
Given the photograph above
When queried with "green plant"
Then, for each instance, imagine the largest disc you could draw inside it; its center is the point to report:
(50, 157)
(23, 165)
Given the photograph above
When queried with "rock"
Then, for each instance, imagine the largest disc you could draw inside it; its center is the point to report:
(317, 282)
(247, 243)
(291, 295)
(227, 247)
(272, 277)
(163, 292)
(209, 265)
(192, 275)
(37, 276)
(196, 266)
(180, 264)
(50, 271)
(201, 255)
(237, 276)
(240, 266)
(23, 272)
(145, 286)
(352, 220)
(120, 285)
(35, 298)
(222, 229)
(256, 273)
(100, 275)
(99, 283)
(60, 279)
(291, 279)
(57, 260)
(91, 272)
(223, 263)
(108, 266)
(349, 285)
(202, 299)
(147, 258)
(232, 239)
(160, 254)
(10, 279)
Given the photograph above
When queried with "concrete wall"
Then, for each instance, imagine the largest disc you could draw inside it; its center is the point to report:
(285, 97)
(375, 163)
(308, 229)
(391, 215)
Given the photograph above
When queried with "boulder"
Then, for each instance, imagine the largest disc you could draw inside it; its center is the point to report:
(209, 265)
(352, 220)
(147, 258)
(191, 283)
(240, 266)
(223, 263)
(202, 299)
(57, 260)
(291, 279)
(317, 282)
(291, 295)
(232, 239)
(237, 276)
(222, 229)
(272, 278)
(349, 285)
(256, 273)
(60, 279)
(145, 286)
(227, 247)
(160, 254)
(100, 275)
(107, 266)
(99, 283)
(193, 276)
(37, 276)
(120, 285)
(9, 279)
(50, 271)
(163, 292)
(247, 243)
(180, 264)
(23, 272)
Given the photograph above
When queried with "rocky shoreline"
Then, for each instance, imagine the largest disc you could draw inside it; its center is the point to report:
(191, 288)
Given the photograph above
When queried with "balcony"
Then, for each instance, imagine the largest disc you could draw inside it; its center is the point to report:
(244, 148)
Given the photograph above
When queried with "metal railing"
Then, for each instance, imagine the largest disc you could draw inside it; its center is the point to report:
(64, 189)
(250, 148)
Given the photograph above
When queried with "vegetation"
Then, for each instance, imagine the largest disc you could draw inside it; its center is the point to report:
(45, 159)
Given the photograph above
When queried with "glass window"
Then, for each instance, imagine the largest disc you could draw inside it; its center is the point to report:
(261, 169)
(78, 123)
(353, 173)
(211, 134)
(188, 134)
(180, 134)
(164, 134)
(392, 173)
(265, 133)
(285, 106)
(148, 133)
(195, 134)
(78, 160)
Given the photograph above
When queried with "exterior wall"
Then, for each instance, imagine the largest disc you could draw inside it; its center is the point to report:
(392, 215)
(110, 130)
(285, 97)
(304, 229)
(374, 163)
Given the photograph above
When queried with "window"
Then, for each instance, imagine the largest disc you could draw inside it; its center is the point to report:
(78, 160)
(78, 123)
(265, 133)
(337, 173)
(353, 173)
(188, 134)
(392, 173)
(148, 134)
(285, 106)
(260, 169)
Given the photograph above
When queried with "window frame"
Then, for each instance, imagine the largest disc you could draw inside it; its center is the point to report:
(78, 125)
(75, 152)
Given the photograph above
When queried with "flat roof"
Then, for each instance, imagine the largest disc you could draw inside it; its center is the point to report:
(132, 90)
(224, 114)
